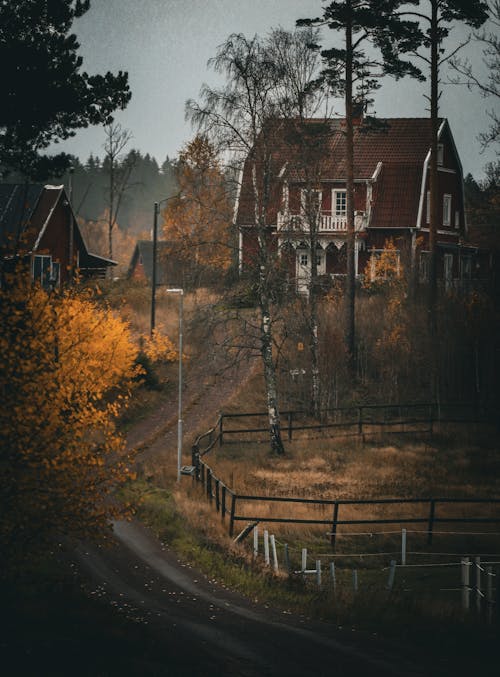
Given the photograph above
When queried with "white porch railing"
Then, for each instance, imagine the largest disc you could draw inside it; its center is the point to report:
(328, 223)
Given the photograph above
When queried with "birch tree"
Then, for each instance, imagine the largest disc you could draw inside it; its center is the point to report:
(242, 117)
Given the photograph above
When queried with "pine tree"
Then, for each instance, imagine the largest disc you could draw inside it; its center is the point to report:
(46, 96)
(351, 72)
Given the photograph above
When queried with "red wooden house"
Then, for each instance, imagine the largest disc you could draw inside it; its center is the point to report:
(39, 228)
(391, 200)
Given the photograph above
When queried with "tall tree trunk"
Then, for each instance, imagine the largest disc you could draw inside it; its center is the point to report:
(313, 311)
(350, 290)
(434, 203)
(433, 177)
(266, 337)
(266, 351)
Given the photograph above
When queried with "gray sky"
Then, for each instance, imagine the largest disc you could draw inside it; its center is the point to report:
(165, 44)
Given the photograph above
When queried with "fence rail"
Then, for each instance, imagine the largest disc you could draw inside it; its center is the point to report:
(229, 503)
(359, 420)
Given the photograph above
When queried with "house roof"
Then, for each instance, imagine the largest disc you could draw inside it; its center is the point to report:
(25, 213)
(394, 142)
(143, 253)
(396, 195)
(17, 204)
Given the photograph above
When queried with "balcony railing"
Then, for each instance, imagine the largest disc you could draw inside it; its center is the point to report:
(328, 223)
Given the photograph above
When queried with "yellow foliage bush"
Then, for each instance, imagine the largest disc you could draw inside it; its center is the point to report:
(66, 369)
(158, 347)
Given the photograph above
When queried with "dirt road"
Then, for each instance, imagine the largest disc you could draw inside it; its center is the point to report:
(209, 631)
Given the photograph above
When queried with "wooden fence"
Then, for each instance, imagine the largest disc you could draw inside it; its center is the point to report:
(356, 420)
(237, 506)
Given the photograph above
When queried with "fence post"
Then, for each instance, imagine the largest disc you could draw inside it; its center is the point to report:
(333, 537)
(209, 484)
(318, 572)
(195, 461)
(304, 559)
(332, 576)
(355, 580)
(223, 501)
(221, 428)
(231, 518)
(273, 550)
(287, 559)
(403, 547)
(431, 521)
(217, 495)
(477, 568)
(256, 541)
(290, 429)
(465, 576)
(360, 420)
(392, 574)
(489, 591)
(266, 547)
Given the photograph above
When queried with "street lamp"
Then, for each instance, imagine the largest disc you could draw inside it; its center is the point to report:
(179, 418)
(155, 256)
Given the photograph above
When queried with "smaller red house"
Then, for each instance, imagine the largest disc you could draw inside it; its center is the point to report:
(38, 227)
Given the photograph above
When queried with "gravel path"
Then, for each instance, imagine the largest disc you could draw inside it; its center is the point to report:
(207, 388)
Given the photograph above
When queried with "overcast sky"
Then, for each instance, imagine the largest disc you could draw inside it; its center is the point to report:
(165, 44)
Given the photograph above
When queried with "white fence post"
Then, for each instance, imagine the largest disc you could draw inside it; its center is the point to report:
(318, 572)
(465, 576)
(256, 541)
(355, 580)
(403, 547)
(273, 549)
(266, 547)
(304, 559)
(332, 576)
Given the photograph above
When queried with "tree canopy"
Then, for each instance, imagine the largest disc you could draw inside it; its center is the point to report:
(46, 94)
(67, 367)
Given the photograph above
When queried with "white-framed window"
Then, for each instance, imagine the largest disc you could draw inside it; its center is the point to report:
(457, 218)
(303, 259)
(42, 269)
(339, 202)
(440, 154)
(446, 210)
(45, 271)
(310, 201)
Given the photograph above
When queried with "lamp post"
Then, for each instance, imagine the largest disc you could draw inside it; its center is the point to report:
(179, 418)
(155, 256)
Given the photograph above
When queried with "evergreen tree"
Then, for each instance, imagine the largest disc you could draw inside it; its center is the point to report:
(46, 96)
(350, 72)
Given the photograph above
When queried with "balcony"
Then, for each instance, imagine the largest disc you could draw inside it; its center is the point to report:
(328, 223)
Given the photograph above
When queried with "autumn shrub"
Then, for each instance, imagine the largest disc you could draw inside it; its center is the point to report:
(66, 370)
